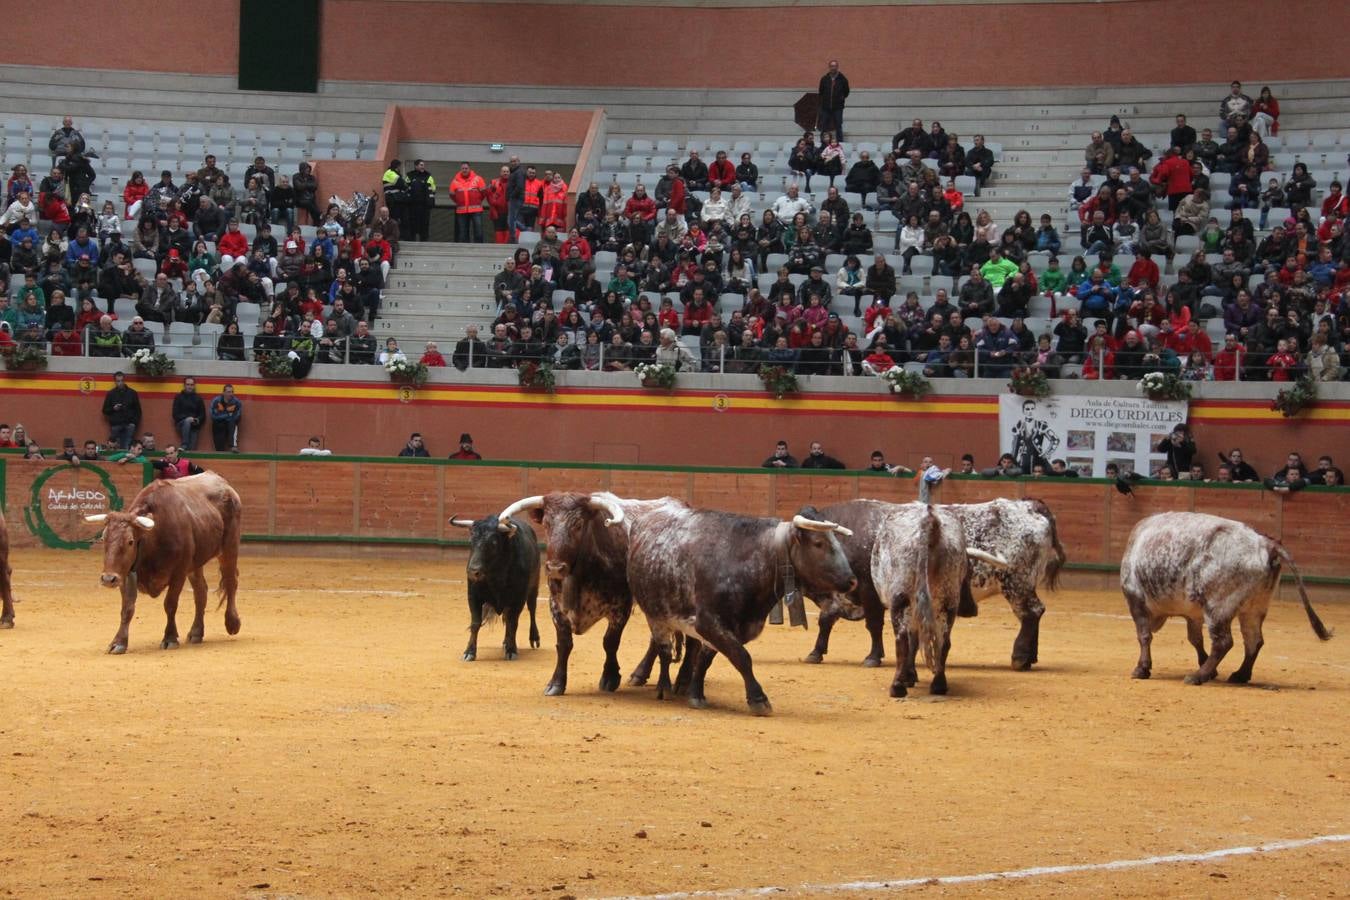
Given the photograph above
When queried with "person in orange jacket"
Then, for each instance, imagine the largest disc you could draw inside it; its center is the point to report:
(554, 209)
(467, 192)
(496, 200)
(529, 209)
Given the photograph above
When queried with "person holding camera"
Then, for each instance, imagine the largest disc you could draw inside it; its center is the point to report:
(1179, 448)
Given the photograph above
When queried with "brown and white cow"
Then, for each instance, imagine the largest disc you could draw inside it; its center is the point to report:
(1207, 570)
(6, 588)
(715, 576)
(169, 532)
(587, 568)
(918, 570)
(862, 518)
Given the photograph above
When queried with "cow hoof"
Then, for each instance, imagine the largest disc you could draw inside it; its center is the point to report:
(167, 644)
(911, 680)
(1140, 672)
(761, 707)
(814, 658)
(232, 624)
(898, 690)
(1021, 665)
(117, 649)
(1193, 678)
(510, 654)
(194, 638)
(939, 685)
(534, 642)
(1240, 677)
(6, 623)
(698, 702)
(637, 679)
(609, 683)
(469, 656)
(555, 690)
(871, 662)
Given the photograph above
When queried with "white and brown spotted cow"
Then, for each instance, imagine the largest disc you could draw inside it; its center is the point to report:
(918, 569)
(1207, 570)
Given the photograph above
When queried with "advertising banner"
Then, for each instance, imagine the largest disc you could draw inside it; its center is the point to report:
(1087, 432)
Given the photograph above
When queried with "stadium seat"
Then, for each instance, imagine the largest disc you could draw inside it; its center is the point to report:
(615, 144)
(642, 146)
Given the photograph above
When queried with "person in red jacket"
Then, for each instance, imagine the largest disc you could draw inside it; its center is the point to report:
(1144, 272)
(134, 193)
(1336, 201)
(1174, 174)
(467, 192)
(1230, 360)
(721, 173)
(574, 239)
(554, 208)
(1281, 361)
(496, 200)
(232, 246)
(432, 358)
(640, 206)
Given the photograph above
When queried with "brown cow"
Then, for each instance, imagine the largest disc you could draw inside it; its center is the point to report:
(171, 530)
(6, 592)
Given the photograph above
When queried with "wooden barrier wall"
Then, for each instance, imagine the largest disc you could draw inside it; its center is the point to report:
(355, 500)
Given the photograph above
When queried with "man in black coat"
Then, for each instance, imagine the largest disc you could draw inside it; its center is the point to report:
(122, 409)
(817, 459)
(189, 412)
(833, 92)
(781, 459)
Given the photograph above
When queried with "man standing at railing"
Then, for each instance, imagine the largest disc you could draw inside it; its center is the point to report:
(122, 409)
(226, 410)
(833, 92)
(467, 190)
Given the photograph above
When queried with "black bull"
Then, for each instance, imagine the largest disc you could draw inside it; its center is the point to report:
(503, 576)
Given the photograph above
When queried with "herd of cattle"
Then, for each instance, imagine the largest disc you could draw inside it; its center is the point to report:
(713, 578)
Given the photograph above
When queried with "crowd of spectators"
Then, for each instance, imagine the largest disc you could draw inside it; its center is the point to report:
(176, 251)
(1281, 296)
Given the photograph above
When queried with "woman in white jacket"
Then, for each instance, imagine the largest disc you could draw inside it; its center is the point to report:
(23, 205)
(909, 241)
(670, 352)
(715, 208)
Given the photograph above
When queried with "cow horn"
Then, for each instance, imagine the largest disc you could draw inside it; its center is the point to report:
(506, 526)
(604, 503)
(520, 506)
(98, 519)
(461, 523)
(819, 525)
(992, 559)
(145, 522)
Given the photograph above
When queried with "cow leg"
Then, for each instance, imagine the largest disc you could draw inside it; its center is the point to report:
(229, 579)
(171, 612)
(939, 683)
(638, 677)
(1220, 642)
(683, 678)
(824, 625)
(1028, 609)
(475, 623)
(726, 643)
(1195, 633)
(534, 627)
(512, 620)
(677, 646)
(611, 676)
(119, 641)
(663, 686)
(875, 619)
(1250, 619)
(898, 685)
(6, 598)
(1144, 626)
(703, 658)
(557, 685)
(198, 629)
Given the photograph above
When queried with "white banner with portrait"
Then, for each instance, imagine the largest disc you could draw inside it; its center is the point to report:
(1087, 432)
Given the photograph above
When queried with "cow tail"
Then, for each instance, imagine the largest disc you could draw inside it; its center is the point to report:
(1322, 631)
(1056, 563)
(929, 637)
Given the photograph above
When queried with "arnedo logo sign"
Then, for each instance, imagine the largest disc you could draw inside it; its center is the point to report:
(60, 499)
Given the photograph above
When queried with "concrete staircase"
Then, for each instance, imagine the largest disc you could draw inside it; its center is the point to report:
(438, 289)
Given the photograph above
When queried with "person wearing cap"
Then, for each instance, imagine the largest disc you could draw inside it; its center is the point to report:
(465, 450)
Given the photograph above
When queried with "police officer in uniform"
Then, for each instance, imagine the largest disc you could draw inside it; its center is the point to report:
(421, 198)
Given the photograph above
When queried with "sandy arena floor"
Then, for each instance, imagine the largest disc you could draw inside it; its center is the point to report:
(338, 747)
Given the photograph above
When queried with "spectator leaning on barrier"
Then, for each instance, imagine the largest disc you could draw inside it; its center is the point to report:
(466, 450)
(818, 459)
(781, 458)
(415, 447)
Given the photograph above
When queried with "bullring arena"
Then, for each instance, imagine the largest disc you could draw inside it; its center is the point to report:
(339, 743)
